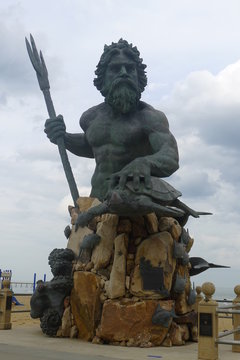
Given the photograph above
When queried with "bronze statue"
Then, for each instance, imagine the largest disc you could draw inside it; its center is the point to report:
(133, 149)
(128, 138)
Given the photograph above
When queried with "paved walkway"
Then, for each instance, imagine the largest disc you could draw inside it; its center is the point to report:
(28, 343)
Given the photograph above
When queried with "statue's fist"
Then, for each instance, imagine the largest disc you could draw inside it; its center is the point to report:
(55, 128)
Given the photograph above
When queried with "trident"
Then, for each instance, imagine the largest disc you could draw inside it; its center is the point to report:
(39, 65)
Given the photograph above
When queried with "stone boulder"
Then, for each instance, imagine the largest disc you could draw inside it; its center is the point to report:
(154, 267)
(85, 303)
(116, 285)
(76, 237)
(107, 230)
(130, 321)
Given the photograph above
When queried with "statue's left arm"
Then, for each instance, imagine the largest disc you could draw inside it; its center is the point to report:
(163, 160)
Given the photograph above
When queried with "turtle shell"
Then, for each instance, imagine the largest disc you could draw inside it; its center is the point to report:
(160, 191)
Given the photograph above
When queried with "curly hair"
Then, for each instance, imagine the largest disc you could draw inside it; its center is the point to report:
(109, 52)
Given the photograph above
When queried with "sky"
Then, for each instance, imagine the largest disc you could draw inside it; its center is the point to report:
(192, 53)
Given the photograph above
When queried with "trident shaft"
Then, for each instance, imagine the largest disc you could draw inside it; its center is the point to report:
(39, 66)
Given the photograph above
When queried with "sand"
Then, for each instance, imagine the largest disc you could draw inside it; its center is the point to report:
(24, 319)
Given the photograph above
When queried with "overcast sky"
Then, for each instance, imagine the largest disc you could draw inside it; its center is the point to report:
(192, 53)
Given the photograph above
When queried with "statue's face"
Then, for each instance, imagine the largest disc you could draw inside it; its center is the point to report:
(121, 67)
(121, 83)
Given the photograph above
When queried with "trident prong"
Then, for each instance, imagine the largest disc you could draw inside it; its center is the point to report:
(38, 64)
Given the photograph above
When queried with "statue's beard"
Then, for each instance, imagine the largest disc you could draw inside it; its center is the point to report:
(123, 95)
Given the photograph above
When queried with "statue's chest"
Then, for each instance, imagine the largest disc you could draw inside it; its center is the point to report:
(114, 132)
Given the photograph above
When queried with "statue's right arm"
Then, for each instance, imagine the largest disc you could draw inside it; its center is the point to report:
(75, 143)
(78, 145)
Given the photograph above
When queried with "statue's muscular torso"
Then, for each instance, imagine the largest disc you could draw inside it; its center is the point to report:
(117, 140)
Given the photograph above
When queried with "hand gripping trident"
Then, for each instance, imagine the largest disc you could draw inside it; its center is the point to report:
(42, 76)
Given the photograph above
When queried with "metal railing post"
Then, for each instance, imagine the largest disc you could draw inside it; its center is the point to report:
(207, 325)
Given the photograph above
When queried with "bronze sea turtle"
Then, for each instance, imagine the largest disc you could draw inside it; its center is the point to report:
(162, 199)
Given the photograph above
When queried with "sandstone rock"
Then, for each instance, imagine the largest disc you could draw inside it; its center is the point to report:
(59, 332)
(93, 223)
(189, 245)
(104, 273)
(130, 266)
(189, 318)
(76, 238)
(79, 266)
(181, 305)
(185, 332)
(102, 283)
(85, 303)
(193, 332)
(73, 213)
(124, 226)
(116, 284)
(171, 225)
(85, 203)
(151, 223)
(130, 342)
(66, 322)
(89, 266)
(73, 332)
(137, 241)
(138, 227)
(176, 334)
(107, 230)
(167, 342)
(156, 253)
(127, 282)
(97, 340)
(131, 248)
(66, 302)
(103, 297)
(131, 322)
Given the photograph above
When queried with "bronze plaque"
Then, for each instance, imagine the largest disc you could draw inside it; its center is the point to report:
(206, 326)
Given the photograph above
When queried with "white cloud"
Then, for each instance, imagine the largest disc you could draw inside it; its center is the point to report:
(208, 105)
(204, 110)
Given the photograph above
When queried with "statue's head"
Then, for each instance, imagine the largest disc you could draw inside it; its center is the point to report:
(121, 76)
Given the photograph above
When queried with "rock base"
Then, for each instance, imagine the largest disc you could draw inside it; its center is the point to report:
(133, 287)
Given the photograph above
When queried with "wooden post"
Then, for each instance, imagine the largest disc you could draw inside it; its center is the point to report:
(5, 306)
(236, 318)
(207, 325)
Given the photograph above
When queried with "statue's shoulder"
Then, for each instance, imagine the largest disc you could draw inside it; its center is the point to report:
(89, 115)
(152, 115)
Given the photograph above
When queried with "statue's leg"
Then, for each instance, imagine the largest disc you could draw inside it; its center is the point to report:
(85, 217)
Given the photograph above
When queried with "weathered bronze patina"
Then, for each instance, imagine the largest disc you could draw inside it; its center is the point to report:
(128, 138)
